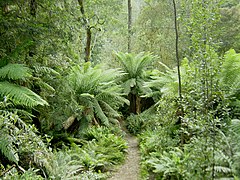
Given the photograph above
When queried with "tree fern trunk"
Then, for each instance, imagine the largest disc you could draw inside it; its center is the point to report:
(138, 105)
(132, 99)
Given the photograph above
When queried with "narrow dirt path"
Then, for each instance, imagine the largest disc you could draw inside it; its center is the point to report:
(130, 169)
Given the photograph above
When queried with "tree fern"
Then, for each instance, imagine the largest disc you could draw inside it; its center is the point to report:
(20, 95)
(134, 67)
(96, 89)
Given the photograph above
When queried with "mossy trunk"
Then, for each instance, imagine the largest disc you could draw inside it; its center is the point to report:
(135, 103)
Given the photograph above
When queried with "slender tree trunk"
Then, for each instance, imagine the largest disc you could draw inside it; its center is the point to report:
(177, 51)
(88, 44)
(129, 25)
(88, 32)
(33, 7)
(180, 111)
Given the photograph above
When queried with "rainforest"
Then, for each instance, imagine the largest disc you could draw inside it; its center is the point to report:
(119, 89)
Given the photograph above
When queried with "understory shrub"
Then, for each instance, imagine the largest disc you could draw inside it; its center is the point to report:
(137, 123)
(100, 151)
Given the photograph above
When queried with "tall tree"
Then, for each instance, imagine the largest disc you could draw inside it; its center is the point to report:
(129, 25)
(176, 50)
(88, 31)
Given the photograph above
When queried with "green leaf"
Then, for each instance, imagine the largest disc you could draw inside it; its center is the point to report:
(21, 95)
(7, 149)
(15, 72)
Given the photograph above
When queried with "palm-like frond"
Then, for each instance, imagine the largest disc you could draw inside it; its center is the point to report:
(163, 84)
(236, 126)
(229, 76)
(7, 150)
(96, 89)
(20, 95)
(15, 72)
(134, 67)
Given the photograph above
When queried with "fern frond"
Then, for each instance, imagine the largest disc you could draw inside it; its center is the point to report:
(7, 150)
(21, 95)
(100, 114)
(45, 85)
(91, 85)
(44, 70)
(108, 109)
(229, 76)
(222, 169)
(236, 126)
(15, 72)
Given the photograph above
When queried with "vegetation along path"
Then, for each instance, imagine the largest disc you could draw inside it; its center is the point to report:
(130, 169)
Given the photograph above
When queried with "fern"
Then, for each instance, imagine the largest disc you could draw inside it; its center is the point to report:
(236, 126)
(15, 72)
(97, 90)
(222, 169)
(44, 70)
(20, 95)
(229, 76)
(134, 67)
(6, 148)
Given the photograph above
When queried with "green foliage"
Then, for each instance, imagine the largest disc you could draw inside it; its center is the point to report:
(153, 31)
(30, 174)
(61, 165)
(229, 77)
(163, 84)
(18, 137)
(199, 142)
(108, 147)
(8, 150)
(18, 94)
(14, 72)
(95, 89)
(229, 37)
(135, 67)
(137, 124)
(170, 165)
(97, 155)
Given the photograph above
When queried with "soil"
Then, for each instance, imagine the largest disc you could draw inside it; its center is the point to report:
(130, 170)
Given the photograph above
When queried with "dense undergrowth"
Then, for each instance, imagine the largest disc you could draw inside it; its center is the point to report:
(195, 137)
(30, 156)
(59, 115)
(200, 143)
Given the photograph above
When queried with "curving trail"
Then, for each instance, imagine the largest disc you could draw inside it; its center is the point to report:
(130, 169)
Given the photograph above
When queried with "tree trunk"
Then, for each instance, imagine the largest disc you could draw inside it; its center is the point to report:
(180, 111)
(177, 51)
(132, 99)
(138, 105)
(135, 103)
(33, 7)
(129, 25)
(88, 44)
(88, 32)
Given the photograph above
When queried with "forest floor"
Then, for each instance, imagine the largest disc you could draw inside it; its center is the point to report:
(130, 170)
